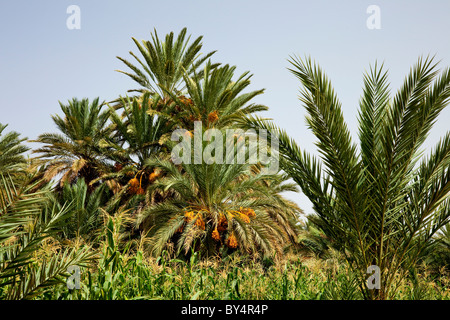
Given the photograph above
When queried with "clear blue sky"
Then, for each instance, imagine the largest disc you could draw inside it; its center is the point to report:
(43, 62)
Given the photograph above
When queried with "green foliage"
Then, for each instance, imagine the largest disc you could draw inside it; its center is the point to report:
(165, 63)
(11, 151)
(379, 203)
(133, 276)
(312, 241)
(86, 209)
(22, 231)
(211, 204)
(437, 256)
(76, 151)
(216, 99)
(138, 133)
(342, 285)
(165, 230)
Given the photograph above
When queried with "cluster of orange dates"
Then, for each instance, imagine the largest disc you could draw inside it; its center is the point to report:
(222, 225)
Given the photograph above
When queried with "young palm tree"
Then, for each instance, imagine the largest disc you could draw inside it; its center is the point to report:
(165, 63)
(381, 204)
(213, 206)
(76, 152)
(11, 151)
(86, 216)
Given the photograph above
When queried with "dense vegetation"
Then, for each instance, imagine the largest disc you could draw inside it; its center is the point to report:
(104, 194)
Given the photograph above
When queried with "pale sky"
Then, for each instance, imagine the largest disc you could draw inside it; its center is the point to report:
(43, 62)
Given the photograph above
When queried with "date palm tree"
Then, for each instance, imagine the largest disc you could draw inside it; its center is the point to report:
(164, 63)
(381, 203)
(140, 132)
(171, 69)
(145, 126)
(217, 206)
(75, 152)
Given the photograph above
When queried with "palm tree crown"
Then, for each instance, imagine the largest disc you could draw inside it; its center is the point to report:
(381, 203)
(75, 152)
(220, 204)
(165, 63)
